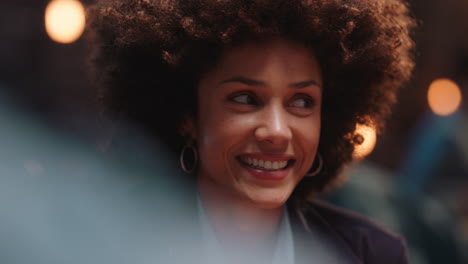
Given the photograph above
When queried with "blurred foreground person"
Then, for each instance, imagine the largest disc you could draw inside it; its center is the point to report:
(257, 101)
(61, 201)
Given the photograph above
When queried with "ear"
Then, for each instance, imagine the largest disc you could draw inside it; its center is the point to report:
(187, 127)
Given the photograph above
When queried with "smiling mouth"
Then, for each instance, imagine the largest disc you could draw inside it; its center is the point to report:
(265, 165)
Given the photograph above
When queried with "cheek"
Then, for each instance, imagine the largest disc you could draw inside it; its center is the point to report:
(220, 128)
(220, 136)
(307, 139)
(313, 135)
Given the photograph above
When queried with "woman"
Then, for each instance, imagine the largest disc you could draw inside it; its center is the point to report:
(259, 101)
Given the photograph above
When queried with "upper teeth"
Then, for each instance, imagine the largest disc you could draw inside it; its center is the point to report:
(265, 164)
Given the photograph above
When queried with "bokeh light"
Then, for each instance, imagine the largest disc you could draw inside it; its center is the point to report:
(65, 20)
(369, 135)
(444, 97)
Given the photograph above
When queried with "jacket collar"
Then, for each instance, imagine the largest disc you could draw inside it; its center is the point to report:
(315, 238)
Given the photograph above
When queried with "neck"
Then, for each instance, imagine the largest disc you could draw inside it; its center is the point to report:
(237, 222)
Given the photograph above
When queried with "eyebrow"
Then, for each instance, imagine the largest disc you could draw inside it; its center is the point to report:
(252, 82)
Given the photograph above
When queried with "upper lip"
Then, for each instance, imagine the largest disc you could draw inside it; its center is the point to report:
(268, 156)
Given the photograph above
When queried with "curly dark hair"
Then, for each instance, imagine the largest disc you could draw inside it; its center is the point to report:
(148, 56)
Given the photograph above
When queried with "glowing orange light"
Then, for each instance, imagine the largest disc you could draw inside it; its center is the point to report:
(444, 97)
(370, 139)
(65, 20)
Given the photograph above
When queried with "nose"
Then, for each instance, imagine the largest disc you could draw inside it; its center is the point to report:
(274, 126)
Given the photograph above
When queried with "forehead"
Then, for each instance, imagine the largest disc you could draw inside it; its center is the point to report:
(266, 60)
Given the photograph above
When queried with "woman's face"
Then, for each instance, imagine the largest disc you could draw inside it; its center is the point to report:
(258, 123)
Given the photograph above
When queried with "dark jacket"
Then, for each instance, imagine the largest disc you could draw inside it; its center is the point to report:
(354, 238)
(322, 233)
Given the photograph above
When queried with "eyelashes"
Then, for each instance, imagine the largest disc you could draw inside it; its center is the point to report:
(303, 101)
(299, 101)
(245, 98)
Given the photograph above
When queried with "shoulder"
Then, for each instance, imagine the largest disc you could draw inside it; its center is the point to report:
(369, 241)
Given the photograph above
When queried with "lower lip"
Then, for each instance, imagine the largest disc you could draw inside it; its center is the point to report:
(267, 175)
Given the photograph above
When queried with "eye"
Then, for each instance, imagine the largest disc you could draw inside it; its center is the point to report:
(302, 101)
(244, 98)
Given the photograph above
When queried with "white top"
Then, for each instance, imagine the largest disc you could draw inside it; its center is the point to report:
(213, 253)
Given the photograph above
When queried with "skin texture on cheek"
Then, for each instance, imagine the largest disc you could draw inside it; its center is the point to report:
(217, 143)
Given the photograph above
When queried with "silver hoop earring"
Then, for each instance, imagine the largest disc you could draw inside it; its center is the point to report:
(319, 166)
(193, 159)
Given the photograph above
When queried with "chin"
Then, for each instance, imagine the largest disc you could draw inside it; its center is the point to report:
(269, 199)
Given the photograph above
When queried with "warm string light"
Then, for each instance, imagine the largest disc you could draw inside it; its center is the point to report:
(444, 97)
(369, 135)
(65, 20)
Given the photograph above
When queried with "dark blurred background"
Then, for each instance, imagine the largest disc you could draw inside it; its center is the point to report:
(415, 180)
